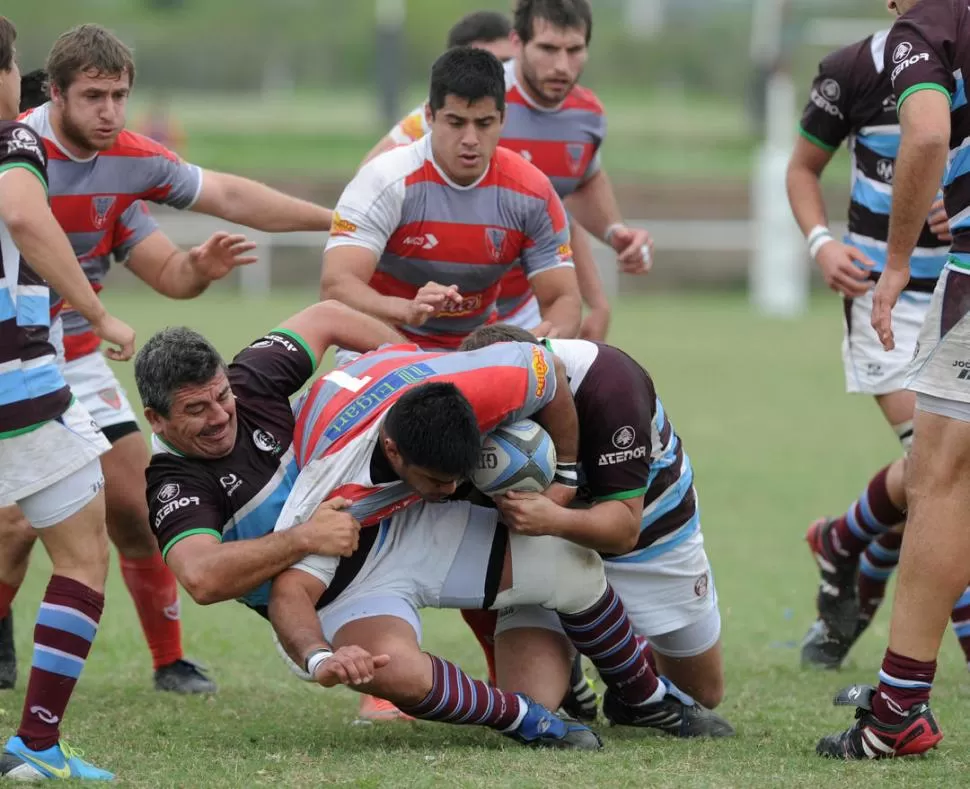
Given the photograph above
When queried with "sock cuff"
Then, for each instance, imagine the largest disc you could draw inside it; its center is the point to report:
(152, 562)
(62, 590)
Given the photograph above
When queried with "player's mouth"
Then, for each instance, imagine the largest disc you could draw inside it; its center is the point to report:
(469, 159)
(217, 433)
(556, 85)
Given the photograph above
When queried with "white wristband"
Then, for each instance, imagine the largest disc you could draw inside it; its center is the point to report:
(817, 232)
(818, 243)
(315, 659)
(608, 233)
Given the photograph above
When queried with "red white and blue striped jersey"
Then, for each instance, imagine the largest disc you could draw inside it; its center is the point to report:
(424, 227)
(338, 420)
(563, 142)
(95, 201)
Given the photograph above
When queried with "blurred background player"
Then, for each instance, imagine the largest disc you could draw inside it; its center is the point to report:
(423, 234)
(90, 75)
(559, 126)
(852, 98)
(33, 89)
(49, 445)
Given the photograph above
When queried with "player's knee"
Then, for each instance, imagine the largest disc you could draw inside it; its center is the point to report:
(406, 680)
(553, 573)
(580, 578)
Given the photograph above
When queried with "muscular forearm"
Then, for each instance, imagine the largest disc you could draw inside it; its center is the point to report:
(294, 618)
(559, 419)
(594, 205)
(564, 313)
(587, 274)
(179, 279)
(358, 332)
(805, 197)
(361, 296)
(916, 182)
(258, 206)
(606, 527)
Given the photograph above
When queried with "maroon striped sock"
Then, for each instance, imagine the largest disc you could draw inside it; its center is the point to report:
(457, 698)
(66, 625)
(603, 633)
(903, 683)
(872, 514)
(875, 567)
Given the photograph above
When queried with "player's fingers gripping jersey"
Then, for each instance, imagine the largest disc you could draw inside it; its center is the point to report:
(869, 369)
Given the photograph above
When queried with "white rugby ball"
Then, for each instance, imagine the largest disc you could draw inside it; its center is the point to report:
(518, 456)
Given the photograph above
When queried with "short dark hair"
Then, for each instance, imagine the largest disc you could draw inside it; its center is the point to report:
(172, 358)
(559, 13)
(484, 26)
(88, 48)
(496, 332)
(33, 89)
(468, 73)
(435, 428)
(8, 35)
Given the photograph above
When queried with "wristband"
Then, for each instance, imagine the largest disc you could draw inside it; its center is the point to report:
(315, 658)
(817, 238)
(608, 233)
(567, 474)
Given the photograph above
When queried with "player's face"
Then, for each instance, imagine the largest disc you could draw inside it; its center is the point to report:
(502, 48)
(202, 420)
(464, 137)
(92, 109)
(10, 91)
(430, 485)
(552, 62)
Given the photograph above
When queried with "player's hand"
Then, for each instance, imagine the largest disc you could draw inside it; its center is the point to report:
(527, 513)
(840, 265)
(331, 532)
(560, 494)
(349, 666)
(595, 325)
(221, 254)
(940, 222)
(884, 298)
(634, 249)
(118, 333)
(545, 330)
(431, 300)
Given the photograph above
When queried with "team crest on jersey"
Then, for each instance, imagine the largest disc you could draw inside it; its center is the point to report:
(265, 441)
(168, 492)
(23, 140)
(112, 397)
(574, 157)
(495, 241)
(100, 209)
(885, 169)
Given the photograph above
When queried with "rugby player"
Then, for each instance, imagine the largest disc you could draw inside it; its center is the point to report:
(395, 432)
(49, 445)
(33, 89)
(639, 511)
(424, 233)
(98, 171)
(559, 126)
(927, 55)
(852, 98)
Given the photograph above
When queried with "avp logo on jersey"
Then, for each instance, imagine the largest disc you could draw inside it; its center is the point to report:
(25, 141)
(426, 241)
(495, 242)
(885, 169)
(100, 209)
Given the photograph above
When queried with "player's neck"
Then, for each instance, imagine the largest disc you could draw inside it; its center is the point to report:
(64, 142)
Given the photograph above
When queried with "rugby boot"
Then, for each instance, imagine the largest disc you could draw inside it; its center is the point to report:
(61, 761)
(838, 598)
(183, 676)
(540, 728)
(676, 713)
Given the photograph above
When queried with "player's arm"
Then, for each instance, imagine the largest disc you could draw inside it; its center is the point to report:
(36, 233)
(595, 208)
(330, 323)
(293, 614)
(410, 128)
(596, 323)
(547, 260)
(247, 202)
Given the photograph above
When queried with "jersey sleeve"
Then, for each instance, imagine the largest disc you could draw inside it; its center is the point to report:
(131, 228)
(918, 50)
(547, 242)
(177, 183)
(368, 211)
(181, 502)
(412, 127)
(21, 147)
(273, 367)
(596, 163)
(826, 120)
(540, 387)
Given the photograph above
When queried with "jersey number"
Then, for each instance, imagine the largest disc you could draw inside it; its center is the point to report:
(344, 381)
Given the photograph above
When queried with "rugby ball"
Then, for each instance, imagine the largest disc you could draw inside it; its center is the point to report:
(518, 456)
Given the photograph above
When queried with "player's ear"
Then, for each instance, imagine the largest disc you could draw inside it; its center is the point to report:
(428, 113)
(155, 420)
(392, 452)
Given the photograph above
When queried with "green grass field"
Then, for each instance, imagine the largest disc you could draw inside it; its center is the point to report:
(774, 441)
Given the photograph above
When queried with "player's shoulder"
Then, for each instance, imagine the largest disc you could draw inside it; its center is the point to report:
(18, 139)
(138, 146)
(393, 167)
(515, 172)
(857, 61)
(583, 98)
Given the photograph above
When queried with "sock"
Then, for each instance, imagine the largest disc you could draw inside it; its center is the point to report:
(903, 683)
(648, 654)
(961, 623)
(482, 624)
(603, 633)
(872, 514)
(875, 566)
(66, 626)
(154, 590)
(7, 594)
(457, 698)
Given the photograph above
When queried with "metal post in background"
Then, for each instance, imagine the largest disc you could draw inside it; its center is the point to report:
(390, 16)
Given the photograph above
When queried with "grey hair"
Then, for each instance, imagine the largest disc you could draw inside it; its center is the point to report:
(172, 358)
